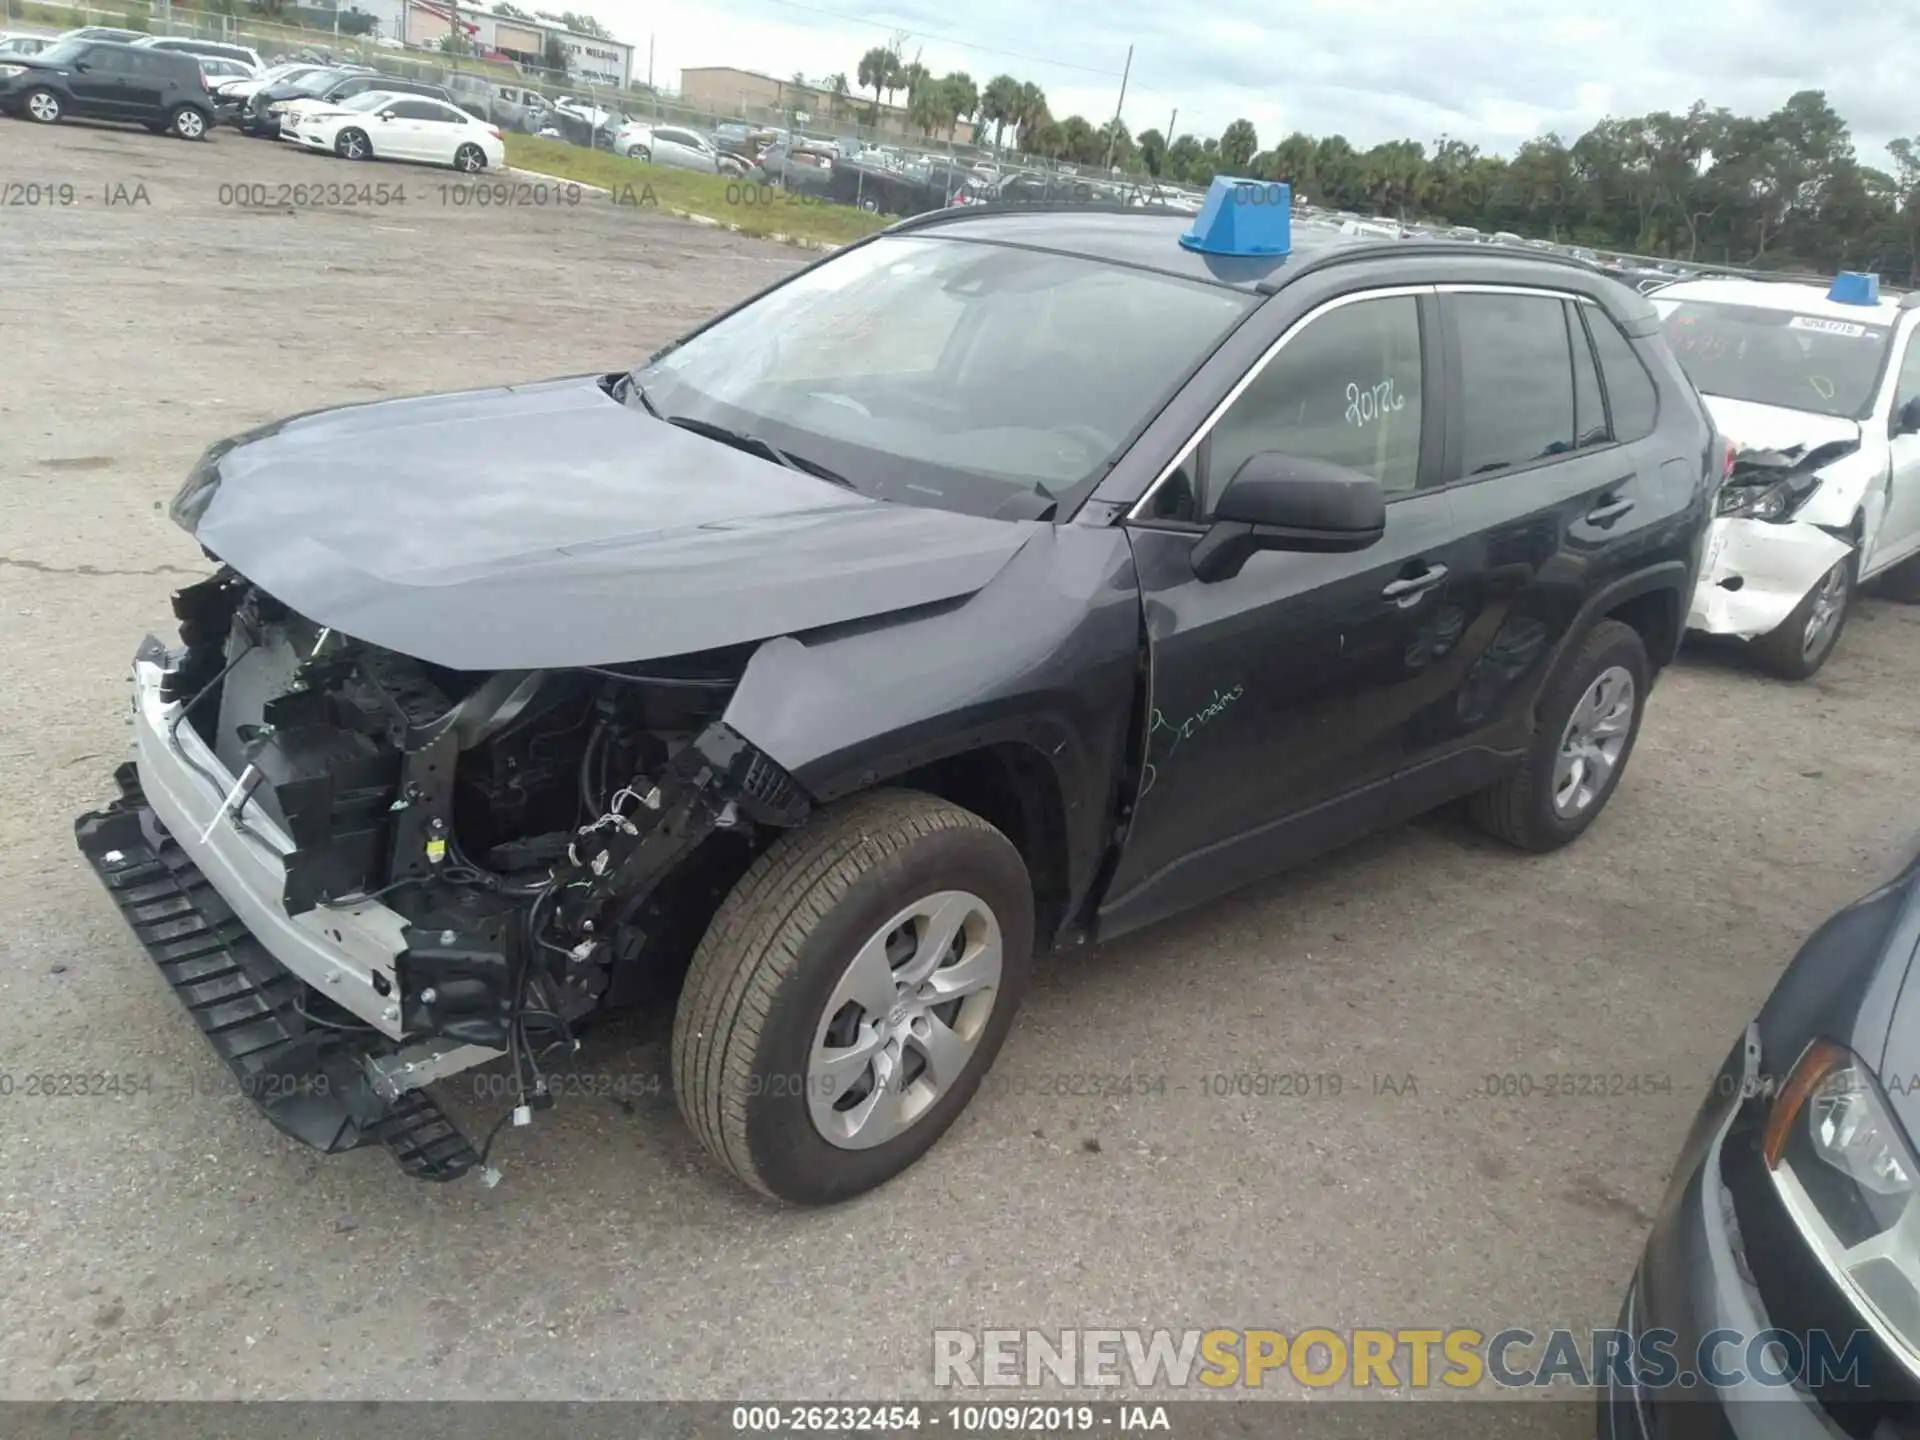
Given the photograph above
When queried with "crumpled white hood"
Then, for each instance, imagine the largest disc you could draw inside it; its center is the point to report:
(1774, 427)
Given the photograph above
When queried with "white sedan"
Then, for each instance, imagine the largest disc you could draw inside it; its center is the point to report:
(384, 125)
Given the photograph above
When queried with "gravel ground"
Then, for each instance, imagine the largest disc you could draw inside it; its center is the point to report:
(171, 1244)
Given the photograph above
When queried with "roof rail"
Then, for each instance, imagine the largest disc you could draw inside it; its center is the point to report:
(949, 213)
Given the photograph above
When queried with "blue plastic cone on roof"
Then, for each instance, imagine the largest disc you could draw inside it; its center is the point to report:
(1243, 217)
(1853, 288)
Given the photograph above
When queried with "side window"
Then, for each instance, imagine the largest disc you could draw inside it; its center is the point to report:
(1589, 405)
(1631, 395)
(1907, 386)
(1346, 388)
(417, 110)
(1516, 380)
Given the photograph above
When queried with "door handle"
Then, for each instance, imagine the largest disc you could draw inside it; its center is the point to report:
(1408, 588)
(1610, 509)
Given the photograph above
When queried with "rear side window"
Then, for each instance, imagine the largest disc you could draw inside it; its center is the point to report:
(1631, 395)
(1516, 380)
(1589, 403)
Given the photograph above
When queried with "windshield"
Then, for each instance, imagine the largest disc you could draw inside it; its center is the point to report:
(993, 370)
(63, 52)
(317, 81)
(1775, 357)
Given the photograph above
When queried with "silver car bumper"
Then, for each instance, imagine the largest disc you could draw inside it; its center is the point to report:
(348, 954)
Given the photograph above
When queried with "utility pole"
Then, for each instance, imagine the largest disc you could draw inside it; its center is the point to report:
(1113, 131)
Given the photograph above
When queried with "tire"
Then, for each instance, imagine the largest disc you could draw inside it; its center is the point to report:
(42, 105)
(1523, 809)
(352, 144)
(469, 159)
(188, 123)
(755, 1005)
(1793, 650)
(640, 153)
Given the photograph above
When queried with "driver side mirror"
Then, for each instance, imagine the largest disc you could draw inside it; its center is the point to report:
(1906, 420)
(388, 114)
(1277, 501)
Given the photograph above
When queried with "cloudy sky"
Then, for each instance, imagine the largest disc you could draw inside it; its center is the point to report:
(1493, 72)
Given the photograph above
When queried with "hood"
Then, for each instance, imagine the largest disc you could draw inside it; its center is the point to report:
(1773, 427)
(547, 525)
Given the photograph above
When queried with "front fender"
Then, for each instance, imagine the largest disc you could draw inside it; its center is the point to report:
(1046, 656)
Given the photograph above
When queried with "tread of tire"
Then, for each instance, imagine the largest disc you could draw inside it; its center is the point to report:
(753, 942)
(1502, 808)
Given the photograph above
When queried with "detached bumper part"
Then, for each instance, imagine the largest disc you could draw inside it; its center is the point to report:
(1756, 572)
(310, 1083)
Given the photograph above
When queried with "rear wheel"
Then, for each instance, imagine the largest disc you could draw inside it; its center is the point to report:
(470, 159)
(42, 105)
(188, 123)
(850, 994)
(353, 145)
(1800, 645)
(1588, 719)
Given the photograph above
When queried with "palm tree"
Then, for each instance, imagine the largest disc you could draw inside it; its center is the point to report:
(1031, 113)
(875, 73)
(1238, 143)
(963, 98)
(926, 106)
(1000, 104)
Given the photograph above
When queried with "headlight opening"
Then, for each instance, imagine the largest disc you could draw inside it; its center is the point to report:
(1847, 1174)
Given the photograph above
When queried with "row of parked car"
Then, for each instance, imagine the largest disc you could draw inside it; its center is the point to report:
(189, 87)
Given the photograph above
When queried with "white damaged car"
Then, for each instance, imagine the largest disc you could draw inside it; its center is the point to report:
(1818, 392)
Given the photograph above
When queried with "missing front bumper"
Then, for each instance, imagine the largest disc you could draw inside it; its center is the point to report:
(1756, 572)
(313, 1084)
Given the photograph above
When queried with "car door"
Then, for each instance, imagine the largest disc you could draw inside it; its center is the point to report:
(99, 83)
(1551, 475)
(428, 129)
(1280, 696)
(1899, 532)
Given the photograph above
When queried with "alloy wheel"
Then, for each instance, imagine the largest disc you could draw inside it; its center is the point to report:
(1829, 601)
(904, 1020)
(1591, 745)
(43, 106)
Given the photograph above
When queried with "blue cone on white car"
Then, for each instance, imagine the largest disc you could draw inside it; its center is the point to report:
(1817, 391)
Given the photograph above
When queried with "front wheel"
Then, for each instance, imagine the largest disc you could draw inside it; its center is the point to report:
(470, 159)
(188, 123)
(42, 105)
(353, 145)
(1588, 719)
(1801, 644)
(851, 993)
(640, 153)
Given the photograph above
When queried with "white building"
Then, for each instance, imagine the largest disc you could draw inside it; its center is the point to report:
(423, 24)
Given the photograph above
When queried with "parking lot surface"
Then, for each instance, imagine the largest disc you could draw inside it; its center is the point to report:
(1272, 1112)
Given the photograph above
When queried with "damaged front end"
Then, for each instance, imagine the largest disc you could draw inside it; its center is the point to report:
(362, 872)
(1761, 559)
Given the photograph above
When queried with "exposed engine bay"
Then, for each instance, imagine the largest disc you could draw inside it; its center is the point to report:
(523, 824)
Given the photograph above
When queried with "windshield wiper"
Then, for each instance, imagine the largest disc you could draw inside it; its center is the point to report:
(742, 440)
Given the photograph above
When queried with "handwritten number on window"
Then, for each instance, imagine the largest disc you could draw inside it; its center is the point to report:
(1364, 407)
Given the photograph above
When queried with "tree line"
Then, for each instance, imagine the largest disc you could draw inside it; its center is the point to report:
(1779, 191)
